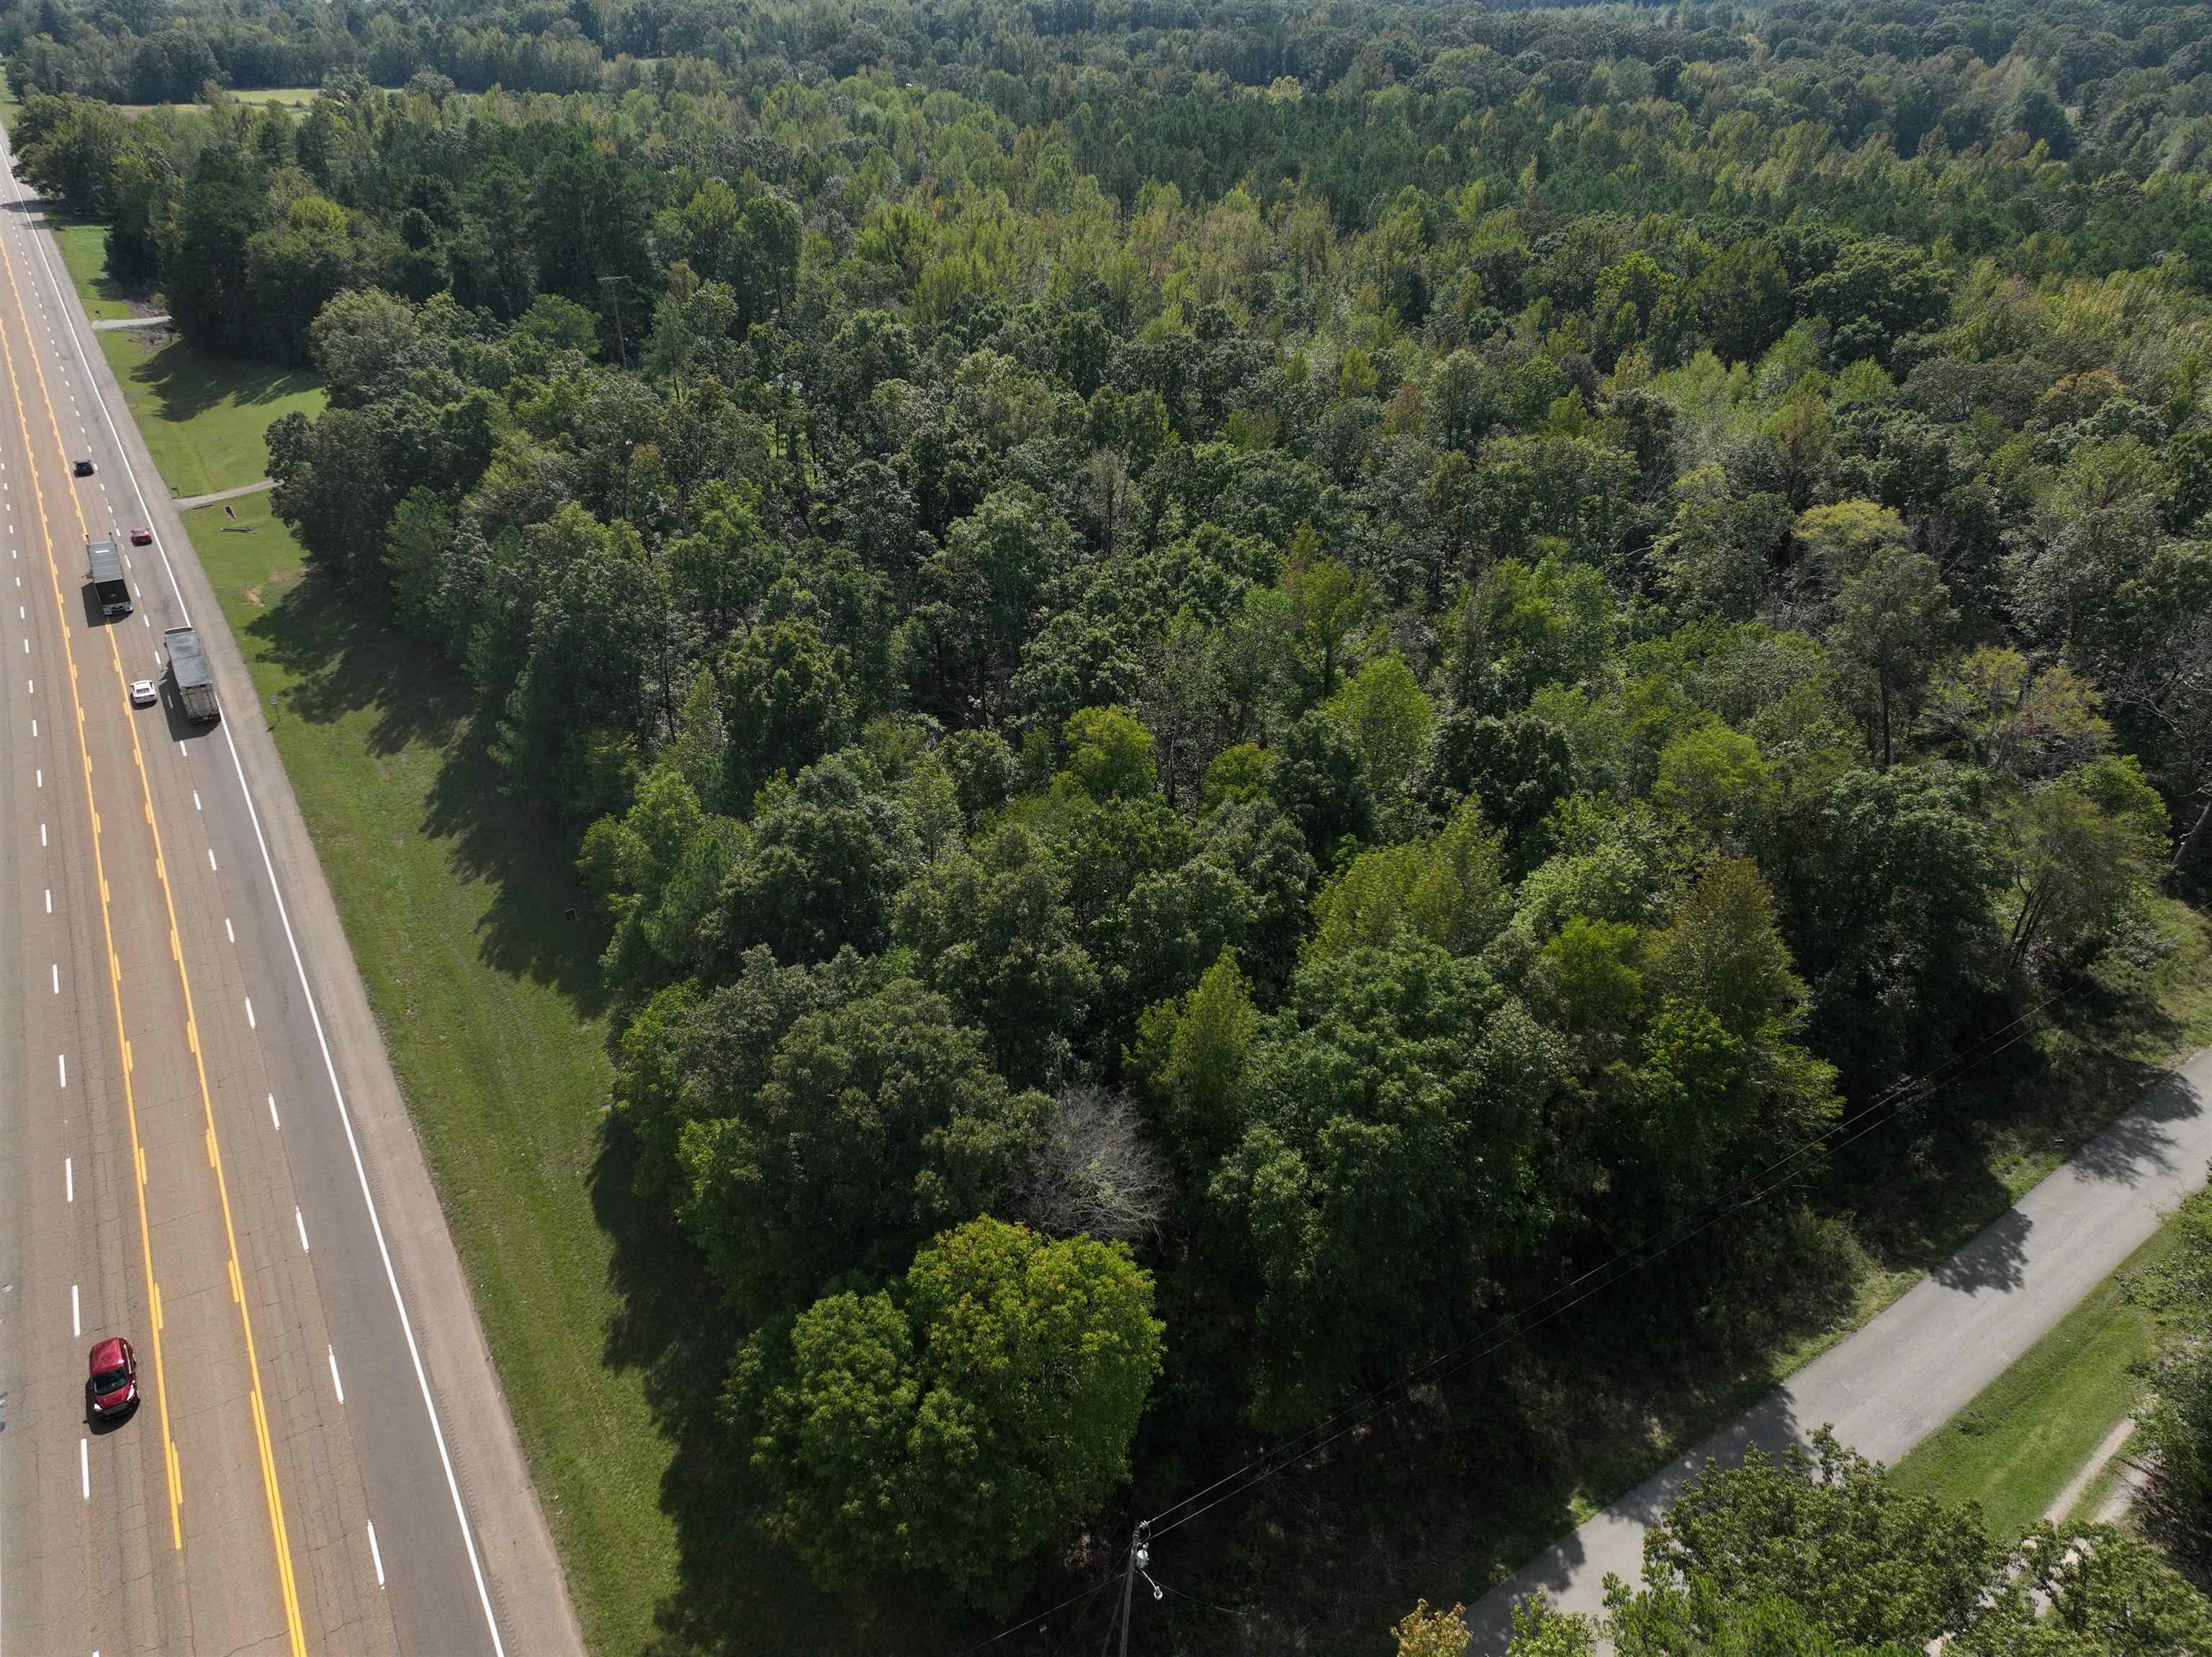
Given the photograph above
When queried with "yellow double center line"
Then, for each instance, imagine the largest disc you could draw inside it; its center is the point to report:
(114, 981)
(284, 1576)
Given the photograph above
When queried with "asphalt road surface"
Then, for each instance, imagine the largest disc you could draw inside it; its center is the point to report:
(1922, 1361)
(201, 1147)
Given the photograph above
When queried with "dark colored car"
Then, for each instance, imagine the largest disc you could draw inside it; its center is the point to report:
(142, 536)
(113, 1384)
(84, 468)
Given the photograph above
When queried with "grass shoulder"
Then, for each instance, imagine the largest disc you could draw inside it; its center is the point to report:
(458, 905)
(205, 420)
(84, 250)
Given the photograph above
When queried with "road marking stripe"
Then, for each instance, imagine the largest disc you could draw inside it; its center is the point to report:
(300, 1220)
(338, 1385)
(107, 927)
(76, 1313)
(250, 1024)
(84, 1466)
(227, 930)
(61, 1063)
(375, 1553)
(273, 1122)
(69, 1178)
(392, 1280)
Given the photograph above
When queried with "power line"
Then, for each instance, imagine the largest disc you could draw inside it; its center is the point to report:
(1516, 1325)
(1088, 1595)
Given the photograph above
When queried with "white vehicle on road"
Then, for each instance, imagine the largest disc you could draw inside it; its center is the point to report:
(142, 693)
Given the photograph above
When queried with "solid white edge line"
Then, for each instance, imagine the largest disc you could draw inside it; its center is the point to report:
(314, 1015)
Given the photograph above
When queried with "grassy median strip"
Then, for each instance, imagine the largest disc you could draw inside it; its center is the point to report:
(2028, 1433)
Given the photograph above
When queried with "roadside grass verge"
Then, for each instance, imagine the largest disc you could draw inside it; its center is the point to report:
(504, 1082)
(1491, 1467)
(84, 250)
(457, 903)
(2028, 1433)
(205, 420)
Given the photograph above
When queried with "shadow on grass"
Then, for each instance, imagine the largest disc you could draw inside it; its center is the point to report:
(343, 661)
(186, 383)
(736, 1593)
(104, 287)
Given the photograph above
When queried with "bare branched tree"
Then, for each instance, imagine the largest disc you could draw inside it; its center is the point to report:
(1090, 1172)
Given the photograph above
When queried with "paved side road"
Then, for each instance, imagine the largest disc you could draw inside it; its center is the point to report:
(1923, 1360)
(186, 502)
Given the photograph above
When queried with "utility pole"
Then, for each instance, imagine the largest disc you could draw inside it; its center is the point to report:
(614, 292)
(1138, 1556)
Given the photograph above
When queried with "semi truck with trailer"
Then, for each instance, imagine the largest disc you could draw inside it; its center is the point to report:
(103, 568)
(195, 679)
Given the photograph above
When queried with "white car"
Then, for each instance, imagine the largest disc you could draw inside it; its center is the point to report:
(142, 693)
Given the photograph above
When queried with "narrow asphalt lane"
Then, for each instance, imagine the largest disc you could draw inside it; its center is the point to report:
(1923, 1359)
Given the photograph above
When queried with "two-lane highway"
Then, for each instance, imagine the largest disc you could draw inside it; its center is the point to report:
(178, 1163)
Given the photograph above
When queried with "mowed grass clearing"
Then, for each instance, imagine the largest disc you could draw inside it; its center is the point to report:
(84, 250)
(505, 1082)
(291, 97)
(206, 421)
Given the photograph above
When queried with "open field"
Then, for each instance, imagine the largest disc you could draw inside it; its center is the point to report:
(291, 97)
(204, 420)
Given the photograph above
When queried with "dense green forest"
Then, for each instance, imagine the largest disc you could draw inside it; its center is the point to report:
(1243, 685)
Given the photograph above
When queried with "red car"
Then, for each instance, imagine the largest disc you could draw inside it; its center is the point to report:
(142, 536)
(114, 1385)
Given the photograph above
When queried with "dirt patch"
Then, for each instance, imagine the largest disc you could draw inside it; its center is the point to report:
(280, 581)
